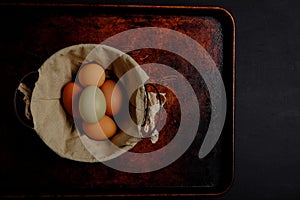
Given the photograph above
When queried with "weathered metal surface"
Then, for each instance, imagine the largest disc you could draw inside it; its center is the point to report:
(29, 167)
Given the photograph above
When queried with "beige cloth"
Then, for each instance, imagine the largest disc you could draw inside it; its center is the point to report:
(56, 128)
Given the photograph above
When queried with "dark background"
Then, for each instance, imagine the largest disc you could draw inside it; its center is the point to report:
(267, 139)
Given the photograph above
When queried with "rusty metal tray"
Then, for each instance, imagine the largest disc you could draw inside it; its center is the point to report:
(29, 167)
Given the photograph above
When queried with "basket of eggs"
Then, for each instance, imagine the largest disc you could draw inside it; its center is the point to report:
(88, 103)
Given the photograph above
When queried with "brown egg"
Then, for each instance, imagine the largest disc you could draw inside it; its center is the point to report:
(91, 74)
(70, 93)
(102, 130)
(113, 96)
